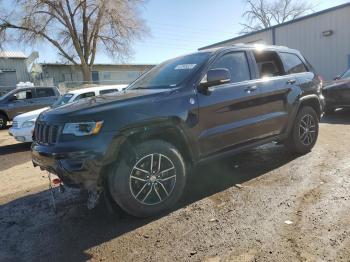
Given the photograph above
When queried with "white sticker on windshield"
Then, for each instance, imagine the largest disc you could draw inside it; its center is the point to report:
(185, 67)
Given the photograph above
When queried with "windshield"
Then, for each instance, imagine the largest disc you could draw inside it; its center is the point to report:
(346, 74)
(7, 94)
(171, 73)
(62, 100)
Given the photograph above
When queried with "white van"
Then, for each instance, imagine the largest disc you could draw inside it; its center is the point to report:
(23, 125)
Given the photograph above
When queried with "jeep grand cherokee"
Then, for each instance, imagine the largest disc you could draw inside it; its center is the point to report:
(139, 145)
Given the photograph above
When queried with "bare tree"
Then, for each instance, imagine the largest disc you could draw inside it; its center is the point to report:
(76, 28)
(262, 14)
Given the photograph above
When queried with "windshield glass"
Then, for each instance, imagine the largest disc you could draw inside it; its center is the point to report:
(346, 74)
(170, 73)
(62, 100)
(7, 94)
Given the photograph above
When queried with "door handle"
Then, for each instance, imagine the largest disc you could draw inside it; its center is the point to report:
(250, 89)
(291, 82)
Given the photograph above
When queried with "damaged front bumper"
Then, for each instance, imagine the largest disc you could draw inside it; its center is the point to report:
(77, 165)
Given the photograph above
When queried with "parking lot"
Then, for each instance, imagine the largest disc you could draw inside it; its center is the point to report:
(262, 205)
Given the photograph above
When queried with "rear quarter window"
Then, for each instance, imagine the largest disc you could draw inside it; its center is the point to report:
(293, 64)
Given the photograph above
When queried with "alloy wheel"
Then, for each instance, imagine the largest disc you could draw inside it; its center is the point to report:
(152, 179)
(307, 130)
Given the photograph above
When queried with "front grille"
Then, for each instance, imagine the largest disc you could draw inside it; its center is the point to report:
(15, 124)
(45, 133)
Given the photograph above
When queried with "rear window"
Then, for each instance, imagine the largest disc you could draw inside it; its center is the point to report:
(45, 92)
(293, 64)
(107, 91)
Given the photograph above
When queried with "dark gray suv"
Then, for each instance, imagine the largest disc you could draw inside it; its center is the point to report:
(22, 100)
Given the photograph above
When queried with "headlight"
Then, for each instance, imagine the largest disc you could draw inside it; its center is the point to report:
(82, 128)
(27, 124)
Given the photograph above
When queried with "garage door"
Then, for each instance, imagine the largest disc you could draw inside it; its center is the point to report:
(8, 79)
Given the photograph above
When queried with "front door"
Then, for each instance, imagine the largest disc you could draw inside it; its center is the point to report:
(21, 102)
(228, 113)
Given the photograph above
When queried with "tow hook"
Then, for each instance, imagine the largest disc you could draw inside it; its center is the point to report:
(93, 199)
(53, 183)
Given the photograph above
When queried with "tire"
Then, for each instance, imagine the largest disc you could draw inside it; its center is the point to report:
(140, 193)
(3, 121)
(304, 134)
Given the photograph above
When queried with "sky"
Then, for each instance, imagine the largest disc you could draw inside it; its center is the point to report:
(176, 28)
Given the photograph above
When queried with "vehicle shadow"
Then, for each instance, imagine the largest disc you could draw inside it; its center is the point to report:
(15, 148)
(13, 155)
(338, 117)
(68, 235)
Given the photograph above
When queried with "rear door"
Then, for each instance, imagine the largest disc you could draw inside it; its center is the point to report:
(229, 112)
(276, 91)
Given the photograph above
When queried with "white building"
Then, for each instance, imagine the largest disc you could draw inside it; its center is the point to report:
(322, 37)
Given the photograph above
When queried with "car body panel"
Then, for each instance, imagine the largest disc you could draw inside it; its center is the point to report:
(337, 93)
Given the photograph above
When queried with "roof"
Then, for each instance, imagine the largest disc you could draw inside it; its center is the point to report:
(279, 25)
(251, 47)
(121, 65)
(12, 54)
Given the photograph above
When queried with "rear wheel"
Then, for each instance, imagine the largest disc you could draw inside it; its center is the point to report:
(3, 121)
(150, 183)
(305, 131)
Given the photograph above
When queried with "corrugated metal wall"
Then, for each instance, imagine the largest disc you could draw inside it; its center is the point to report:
(330, 55)
(258, 38)
(13, 65)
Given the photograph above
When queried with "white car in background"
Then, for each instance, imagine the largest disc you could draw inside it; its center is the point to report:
(23, 125)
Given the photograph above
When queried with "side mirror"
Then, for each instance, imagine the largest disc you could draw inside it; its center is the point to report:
(217, 76)
(337, 77)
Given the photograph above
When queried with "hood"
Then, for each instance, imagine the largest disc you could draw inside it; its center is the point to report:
(106, 102)
(30, 115)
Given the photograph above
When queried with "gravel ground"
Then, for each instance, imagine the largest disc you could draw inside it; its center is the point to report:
(261, 205)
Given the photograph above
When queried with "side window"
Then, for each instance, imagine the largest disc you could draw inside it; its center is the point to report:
(269, 64)
(237, 64)
(44, 92)
(25, 94)
(84, 95)
(293, 64)
(107, 91)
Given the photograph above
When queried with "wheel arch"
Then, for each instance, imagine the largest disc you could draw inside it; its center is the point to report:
(308, 100)
(172, 131)
(312, 101)
(2, 112)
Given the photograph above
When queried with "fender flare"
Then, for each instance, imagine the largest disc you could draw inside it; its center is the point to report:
(130, 135)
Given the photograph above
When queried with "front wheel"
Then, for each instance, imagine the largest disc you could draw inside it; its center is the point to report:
(152, 182)
(305, 131)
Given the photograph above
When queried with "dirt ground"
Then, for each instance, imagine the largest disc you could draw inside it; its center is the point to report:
(217, 220)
